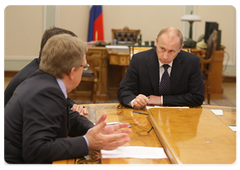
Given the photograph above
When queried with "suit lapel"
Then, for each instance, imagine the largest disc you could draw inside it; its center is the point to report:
(153, 70)
(177, 69)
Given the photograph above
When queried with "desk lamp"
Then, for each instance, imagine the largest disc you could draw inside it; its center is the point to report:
(189, 43)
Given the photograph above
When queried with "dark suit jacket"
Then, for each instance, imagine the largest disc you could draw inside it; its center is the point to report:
(142, 77)
(22, 75)
(38, 121)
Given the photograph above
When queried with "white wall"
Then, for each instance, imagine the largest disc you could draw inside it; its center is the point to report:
(24, 26)
(74, 18)
(149, 19)
(23, 29)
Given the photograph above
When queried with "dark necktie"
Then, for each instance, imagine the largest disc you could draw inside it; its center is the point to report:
(164, 87)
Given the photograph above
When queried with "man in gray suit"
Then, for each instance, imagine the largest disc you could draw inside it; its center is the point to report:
(38, 119)
(142, 82)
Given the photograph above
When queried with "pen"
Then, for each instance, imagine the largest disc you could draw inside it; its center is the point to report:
(113, 123)
(150, 129)
(139, 112)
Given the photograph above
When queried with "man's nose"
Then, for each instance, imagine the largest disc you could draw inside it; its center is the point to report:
(165, 55)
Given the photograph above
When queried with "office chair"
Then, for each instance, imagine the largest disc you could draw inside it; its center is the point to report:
(125, 35)
(189, 50)
(90, 75)
(135, 50)
(207, 64)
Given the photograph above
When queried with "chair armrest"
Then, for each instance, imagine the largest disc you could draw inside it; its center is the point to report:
(203, 62)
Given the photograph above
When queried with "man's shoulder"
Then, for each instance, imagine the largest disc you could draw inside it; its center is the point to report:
(40, 82)
(28, 70)
(187, 54)
(41, 77)
(145, 55)
(34, 64)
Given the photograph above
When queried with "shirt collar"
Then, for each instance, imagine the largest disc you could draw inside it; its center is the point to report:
(160, 64)
(62, 87)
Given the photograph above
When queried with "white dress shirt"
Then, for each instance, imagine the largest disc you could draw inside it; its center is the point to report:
(161, 71)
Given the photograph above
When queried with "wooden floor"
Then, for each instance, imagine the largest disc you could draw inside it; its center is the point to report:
(229, 95)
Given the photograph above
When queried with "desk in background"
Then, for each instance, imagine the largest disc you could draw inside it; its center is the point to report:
(185, 144)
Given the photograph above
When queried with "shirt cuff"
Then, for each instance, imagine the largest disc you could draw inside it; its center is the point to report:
(87, 142)
(131, 103)
(86, 139)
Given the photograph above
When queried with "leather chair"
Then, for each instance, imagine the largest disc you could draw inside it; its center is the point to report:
(125, 35)
(189, 50)
(135, 50)
(207, 63)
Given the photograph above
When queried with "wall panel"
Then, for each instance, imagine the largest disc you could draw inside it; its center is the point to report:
(23, 30)
(74, 18)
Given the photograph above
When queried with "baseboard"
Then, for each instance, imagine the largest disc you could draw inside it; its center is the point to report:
(10, 73)
(229, 79)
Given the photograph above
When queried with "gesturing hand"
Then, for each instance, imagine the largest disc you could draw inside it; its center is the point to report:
(107, 137)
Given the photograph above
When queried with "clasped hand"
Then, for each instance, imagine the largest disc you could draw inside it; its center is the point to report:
(107, 137)
(142, 100)
(80, 109)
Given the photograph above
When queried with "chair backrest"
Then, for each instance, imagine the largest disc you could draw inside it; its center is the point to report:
(91, 72)
(189, 50)
(211, 44)
(125, 35)
(134, 50)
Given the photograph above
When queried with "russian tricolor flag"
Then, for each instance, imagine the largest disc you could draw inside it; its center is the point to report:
(95, 27)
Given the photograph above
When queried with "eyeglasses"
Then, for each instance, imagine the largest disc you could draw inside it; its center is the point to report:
(85, 67)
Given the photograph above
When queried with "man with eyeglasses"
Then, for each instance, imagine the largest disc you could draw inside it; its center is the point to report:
(34, 65)
(37, 118)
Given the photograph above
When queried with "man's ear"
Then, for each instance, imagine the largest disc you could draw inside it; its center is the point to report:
(156, 40)
(181, 48)
(71, 75)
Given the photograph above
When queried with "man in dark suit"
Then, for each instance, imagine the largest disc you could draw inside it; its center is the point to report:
(37, 118)
(34, 65)
(142, 82)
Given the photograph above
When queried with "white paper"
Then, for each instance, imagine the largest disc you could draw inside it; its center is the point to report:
(135, 152)
(167, 107)
(217, 112)
(117, 47)
(234, 128)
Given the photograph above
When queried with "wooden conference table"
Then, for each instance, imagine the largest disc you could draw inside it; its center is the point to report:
(188, 136)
